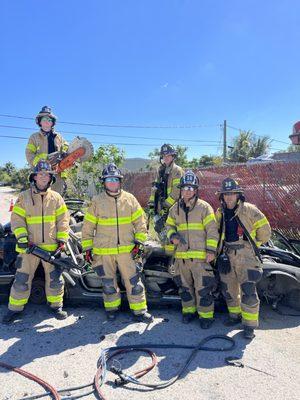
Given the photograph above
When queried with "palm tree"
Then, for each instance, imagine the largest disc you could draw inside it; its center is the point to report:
(9, 168)
(247, 146)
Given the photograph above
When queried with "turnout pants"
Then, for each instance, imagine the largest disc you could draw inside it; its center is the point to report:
(20, 291)
(196, 283)
(239, 286)
(106, 267)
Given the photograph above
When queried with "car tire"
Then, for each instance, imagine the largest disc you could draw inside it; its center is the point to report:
(38, 295)
(292, 299)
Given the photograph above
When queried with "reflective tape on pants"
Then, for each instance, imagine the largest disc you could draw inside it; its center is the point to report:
(250, 316)
(209, 314)
(138, 306)
(16, 302)
(188, 310)
(112, 304)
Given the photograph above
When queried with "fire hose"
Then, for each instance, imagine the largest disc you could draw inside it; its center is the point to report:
(52, 390)
(123, 378)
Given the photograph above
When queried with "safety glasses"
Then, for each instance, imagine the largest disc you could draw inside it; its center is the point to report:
(46, 119)
(112, 180)
(43, 173)
(188, 188)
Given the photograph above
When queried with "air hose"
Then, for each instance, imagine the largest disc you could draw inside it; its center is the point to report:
(123, 379)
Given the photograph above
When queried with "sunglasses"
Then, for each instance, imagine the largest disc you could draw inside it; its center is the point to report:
(47, 119)
(112, 180)
(188, 188)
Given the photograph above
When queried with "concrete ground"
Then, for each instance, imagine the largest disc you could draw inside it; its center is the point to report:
(65, 353)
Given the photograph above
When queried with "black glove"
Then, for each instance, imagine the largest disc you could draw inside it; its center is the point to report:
(174, 236)
(23, 243)
(159, 224)
(223, 264)
(150, 205)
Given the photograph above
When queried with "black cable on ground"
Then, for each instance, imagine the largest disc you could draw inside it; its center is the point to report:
(123, 379)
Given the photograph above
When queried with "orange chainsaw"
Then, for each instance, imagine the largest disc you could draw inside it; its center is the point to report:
(79, 150)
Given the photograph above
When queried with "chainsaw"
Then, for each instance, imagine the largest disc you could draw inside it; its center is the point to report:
(79, 150)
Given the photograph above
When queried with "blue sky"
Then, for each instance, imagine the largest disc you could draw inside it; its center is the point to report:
(154, 63)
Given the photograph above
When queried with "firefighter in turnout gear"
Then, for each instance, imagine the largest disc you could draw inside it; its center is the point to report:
(41, 144)
(112, 225)
(242, 227)
(192, 228)
(39, 217)
(165, 191)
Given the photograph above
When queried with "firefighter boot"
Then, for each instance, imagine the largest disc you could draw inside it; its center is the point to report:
(187, 318)
(111, 315)
(59, 313)
(10, 317)
(144, 317)
(206, 323)
(230, 321)
(248, 332)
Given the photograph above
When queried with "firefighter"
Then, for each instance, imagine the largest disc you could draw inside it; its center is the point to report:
(112, 225)
(41, 144)
(242, 227)
(39, 217)
(192, 228)
(165, 191)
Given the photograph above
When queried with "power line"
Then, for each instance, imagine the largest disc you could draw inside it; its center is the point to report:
(134, 126)
(118, 144)
(121, 125)
(125, 144)
(255, 134)
(112, 135)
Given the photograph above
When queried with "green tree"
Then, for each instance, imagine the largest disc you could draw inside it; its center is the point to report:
(86, 176)
(20, 179)
(9, 168)
(5, 179)
(15, 177)
(247, 146)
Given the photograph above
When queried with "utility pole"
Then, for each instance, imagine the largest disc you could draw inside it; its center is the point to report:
(224, 140)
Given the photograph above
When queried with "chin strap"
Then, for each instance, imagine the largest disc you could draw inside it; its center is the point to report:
(111, 194)
(47, 132)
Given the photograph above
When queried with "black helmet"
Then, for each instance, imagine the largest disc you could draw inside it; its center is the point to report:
(167, 149)
(111, 171)
(189, 179)
(45, 112)
(229, 185)
(42, 166)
